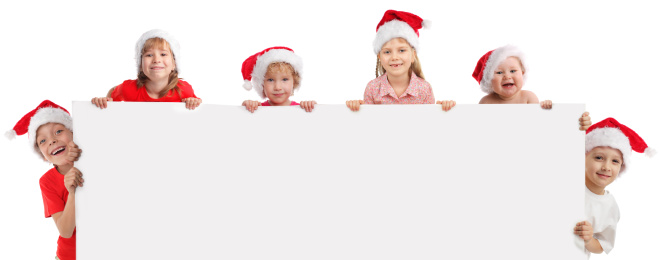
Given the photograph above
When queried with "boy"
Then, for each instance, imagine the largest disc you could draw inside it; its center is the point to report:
(608, 149)
(49, 132)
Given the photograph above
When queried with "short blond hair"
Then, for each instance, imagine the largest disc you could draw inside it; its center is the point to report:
(285, 67)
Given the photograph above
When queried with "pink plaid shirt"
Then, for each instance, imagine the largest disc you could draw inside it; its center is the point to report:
(379, 91)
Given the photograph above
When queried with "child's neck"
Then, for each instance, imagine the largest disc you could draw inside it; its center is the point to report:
(154, 88)
(594, 188)
(286, 103)
(399, 83)
(63, 169)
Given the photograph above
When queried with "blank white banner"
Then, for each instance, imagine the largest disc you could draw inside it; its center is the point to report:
(387, 182)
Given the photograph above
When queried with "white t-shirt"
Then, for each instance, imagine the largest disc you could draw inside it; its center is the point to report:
(603, 213)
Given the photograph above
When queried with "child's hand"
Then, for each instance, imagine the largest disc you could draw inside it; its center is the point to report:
(546, 104)
(73, 179)
(101, 102)
(191, 102)
(252, 105)
(307, 105)
(354, 104)
(446, 104)
(584, 121)
(73, 152)
(585, 231)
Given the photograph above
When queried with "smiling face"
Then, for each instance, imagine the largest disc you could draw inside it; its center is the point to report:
(157, 60)
(602, 167)
(279, 84)
(52, 140)
(396, 57)
(508, 78)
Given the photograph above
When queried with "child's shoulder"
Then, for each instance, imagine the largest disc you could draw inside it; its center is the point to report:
(529, 97)
(184, 84)
(489, 99)
(49, 178)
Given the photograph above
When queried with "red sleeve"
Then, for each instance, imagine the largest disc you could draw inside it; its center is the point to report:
(186, 89)
(52, 203)
(118, 93)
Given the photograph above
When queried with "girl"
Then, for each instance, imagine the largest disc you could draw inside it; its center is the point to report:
(274, 73)
(156, 53)
(49, 131)
(399, 79)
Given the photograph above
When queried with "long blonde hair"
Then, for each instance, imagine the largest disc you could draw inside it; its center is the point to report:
(415, 67)
(173, 76)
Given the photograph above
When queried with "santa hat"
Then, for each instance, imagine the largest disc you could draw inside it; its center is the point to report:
(611, 133)
(398, 24)
(46, 112)
(484, 71)
(156, 33)
(256, 66)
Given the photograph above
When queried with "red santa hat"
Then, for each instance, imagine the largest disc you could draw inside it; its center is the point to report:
(156, 33)
(46, 112)
(256, 66)
(611, 133)
(398, 24)
(484, 71)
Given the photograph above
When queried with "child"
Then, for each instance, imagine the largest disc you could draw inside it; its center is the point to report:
(274, 73)
(49, 131)
(399, 79)
(609, 145)
(158, 63)
(501, 74)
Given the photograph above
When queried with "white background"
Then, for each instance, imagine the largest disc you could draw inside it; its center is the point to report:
(600, 54)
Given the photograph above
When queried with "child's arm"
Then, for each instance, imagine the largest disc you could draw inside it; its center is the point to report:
(585, 231)
(191, 102)
(251, 105)
(307, 105)
(102, 102)
(66, 220)
(446, 104)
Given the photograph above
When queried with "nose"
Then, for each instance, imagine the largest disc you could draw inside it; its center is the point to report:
(606, 166)
(157, 59)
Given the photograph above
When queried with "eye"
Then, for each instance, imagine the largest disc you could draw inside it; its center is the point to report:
(163, 54)
(386, 52)
(598, 157)
(285, 79)
(513, 71)
(498, 72)
(402, 50)
(269, 80)
(616, 161)
(58, 131)
(148, 55)
(42, 141)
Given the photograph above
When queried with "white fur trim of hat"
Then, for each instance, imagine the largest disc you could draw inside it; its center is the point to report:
(498, 56)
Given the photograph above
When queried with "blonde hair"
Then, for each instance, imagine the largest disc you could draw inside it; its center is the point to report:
(173, 76)
(285, 67)
(415, 67)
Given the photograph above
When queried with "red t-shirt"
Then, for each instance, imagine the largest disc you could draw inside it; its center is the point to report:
(266, 103)
(54, 198)
(128, 91)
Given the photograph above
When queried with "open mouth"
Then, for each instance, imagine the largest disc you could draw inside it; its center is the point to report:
(396, 65)
(508, 85)
(58, 151)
